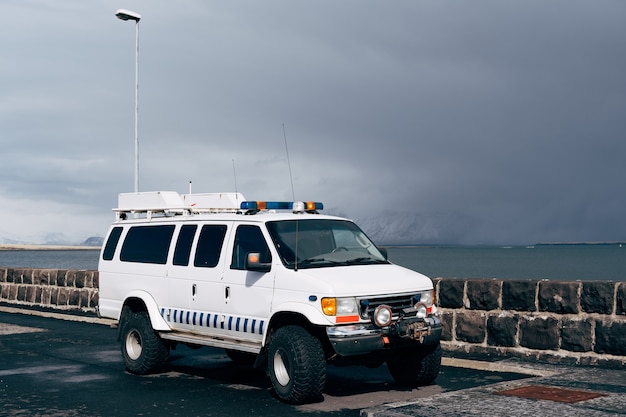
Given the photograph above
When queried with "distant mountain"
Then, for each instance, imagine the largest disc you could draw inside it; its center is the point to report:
(94, 241)
(49, 239)
(397, 228)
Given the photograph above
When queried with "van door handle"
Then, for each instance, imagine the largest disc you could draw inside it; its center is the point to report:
(227, 292)
(194, 290)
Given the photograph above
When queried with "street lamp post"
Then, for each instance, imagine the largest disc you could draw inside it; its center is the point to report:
(124, 14)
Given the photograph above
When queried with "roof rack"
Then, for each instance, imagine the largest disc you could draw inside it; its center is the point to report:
(170, 203)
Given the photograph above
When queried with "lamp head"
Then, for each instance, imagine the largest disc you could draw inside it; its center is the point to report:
(124, 14)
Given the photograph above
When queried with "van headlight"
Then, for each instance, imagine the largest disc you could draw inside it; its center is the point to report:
(425, 297)
(340, 306)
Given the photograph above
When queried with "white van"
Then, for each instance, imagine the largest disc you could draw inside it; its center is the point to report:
(275, 284)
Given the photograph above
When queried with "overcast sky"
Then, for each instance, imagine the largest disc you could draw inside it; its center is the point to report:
(472, 122)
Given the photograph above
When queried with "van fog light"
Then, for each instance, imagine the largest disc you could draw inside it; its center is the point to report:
(382, 315)
(422, 310)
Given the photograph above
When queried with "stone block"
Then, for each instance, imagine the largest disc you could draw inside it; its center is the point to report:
(21, 293)
(31, 294)
(483, 294)
(70, 278)
(3, 275)
(502, 330)
(610, 337)
(576, 335)
(52, 276)
(559, 297)
(87, 299)
(12, 296)
(54, 296)
(470, 326)
(519, 295)
(13, 276)
(74, 297)
(451, 293)
(4, 291)
(621, 298)
(63, 296)
(89, 282)
(45, 295)
(80, 279)
(36, 276)
(41, 276)
(447, 320)
(539, 332)
(60, 279)
(597, 297)
(27, 276)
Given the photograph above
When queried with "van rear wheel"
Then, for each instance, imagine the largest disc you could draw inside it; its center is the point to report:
(296, 365)
(142, 348)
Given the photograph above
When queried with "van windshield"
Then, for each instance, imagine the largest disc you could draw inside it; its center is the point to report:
(318, 243)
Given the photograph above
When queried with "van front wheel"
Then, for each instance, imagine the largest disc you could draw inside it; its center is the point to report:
(143, 350)
(296, 365)
(416, 367)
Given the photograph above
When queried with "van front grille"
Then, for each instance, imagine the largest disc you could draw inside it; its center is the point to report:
(396, 302)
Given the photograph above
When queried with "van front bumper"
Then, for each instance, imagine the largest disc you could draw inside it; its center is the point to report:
(361, 339)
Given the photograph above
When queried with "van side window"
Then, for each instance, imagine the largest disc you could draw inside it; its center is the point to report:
(147, 244)
(249, 239)
(109, 248)
(209, 246)
(182, 252)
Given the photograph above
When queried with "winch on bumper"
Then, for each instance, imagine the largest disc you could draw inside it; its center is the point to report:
(359, 339)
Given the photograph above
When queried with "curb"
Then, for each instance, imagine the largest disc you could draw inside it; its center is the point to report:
(59, 316)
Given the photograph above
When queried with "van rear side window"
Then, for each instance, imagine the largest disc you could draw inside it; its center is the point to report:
(147, 244)
(109, 248)
(183, 244)
(209, 246)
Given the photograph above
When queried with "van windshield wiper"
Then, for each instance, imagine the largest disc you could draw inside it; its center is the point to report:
(365, 260)
(314, 263)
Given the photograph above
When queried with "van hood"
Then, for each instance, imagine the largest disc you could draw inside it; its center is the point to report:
(365, 280)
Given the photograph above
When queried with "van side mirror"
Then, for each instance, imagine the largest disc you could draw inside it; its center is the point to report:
(253, 263)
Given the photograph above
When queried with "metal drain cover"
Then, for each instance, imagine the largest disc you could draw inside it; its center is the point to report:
(538, 392)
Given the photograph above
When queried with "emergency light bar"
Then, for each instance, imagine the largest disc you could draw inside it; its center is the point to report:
(298, 206)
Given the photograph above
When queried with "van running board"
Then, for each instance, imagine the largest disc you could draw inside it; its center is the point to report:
(250, 347)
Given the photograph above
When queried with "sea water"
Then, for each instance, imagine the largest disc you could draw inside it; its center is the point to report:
(555, 262)
(53, 259)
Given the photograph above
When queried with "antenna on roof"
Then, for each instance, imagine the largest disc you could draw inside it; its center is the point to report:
(235, 175)
(189, 187)
(293, 196)
(293, 193)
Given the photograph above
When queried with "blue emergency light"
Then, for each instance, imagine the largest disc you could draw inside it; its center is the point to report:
(282, 205)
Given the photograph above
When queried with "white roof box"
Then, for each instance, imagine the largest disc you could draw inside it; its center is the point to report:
(171, 201)
(213, 200)
(151, 200)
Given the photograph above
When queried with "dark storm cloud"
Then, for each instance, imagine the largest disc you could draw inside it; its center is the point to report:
(451, 121)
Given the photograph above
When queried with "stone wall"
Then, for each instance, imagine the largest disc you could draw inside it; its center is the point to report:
(52, 288)
(555, 321)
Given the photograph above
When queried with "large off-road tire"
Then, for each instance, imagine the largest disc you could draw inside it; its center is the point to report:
(143, 350)
(296, 365)
(416, 367)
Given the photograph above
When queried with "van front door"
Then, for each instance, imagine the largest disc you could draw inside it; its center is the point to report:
(247, 294)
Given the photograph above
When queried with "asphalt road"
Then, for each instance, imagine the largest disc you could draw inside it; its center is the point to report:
(55, 367)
